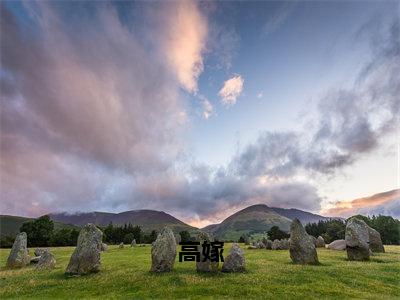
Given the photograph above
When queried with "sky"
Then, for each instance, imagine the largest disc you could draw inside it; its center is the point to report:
(200, 109)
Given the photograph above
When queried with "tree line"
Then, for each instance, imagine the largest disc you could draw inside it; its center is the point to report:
(42, 233)
(334, 229)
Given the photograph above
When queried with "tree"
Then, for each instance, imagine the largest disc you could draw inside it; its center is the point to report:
(64, 237)
(185, 236)
(128, 238)
(275, 233)
(39, 231)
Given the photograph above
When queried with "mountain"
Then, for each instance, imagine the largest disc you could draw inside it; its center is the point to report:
(147, 219)
(259, 218)
(10, 225)
(253, 219)
(304, 216)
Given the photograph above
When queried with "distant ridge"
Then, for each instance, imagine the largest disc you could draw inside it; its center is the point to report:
(147, 219)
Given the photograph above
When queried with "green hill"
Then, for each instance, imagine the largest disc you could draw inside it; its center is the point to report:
(253, 219)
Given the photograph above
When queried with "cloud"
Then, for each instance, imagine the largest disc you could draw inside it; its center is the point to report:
(85, 121)
(207, 109)
(387, 203)
(231, 90)
(101, 127)
(279, 17)
(184, 42)
(350, 123)
(260, 94)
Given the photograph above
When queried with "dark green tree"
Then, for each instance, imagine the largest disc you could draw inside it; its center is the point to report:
(185, 236)
(39, 231)
(276, 233)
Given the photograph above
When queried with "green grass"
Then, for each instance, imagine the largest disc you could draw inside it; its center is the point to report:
(125, 274)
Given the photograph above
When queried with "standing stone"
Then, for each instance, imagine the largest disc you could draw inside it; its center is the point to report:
(205, 266)
(46, 261)
(375, 241)
(234, 261)
(34, 260)
(121, 245)
(86, 256)
(320, 242)
(104, 247)
(338, 245)
(261, 245)
(133, 244)
(268, 245)
(276, 245)
(357, 240)
(40, 251)
(19, 256)
(301, 246)
(163, 252)
(314, 239)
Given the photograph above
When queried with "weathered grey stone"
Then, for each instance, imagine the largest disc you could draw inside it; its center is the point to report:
(320, 242)
(268, 245)
(103, 247)
(302, 249)
(276, 245)
(205, 266)
(40, 251)
(251, 247)
(86, 256)
(163, 252)
(133, 244)
(375, 241)
(19, 256)
(338, 245)
(234, 261)
(357, 240)
(34, 260)
(121, 245)
(314, 239)
(261, 245)
(46, 261)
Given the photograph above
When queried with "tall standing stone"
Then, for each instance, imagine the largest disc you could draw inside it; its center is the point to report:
(234, 261)
(301, 246)
(86, 256)
(133, 244)
(19, 256)
(205, 266)
(163, 252)
(357, 240)
(375, 241)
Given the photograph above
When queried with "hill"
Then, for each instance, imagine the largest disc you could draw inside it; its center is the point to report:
(259, 218)
(253, 219)
(304, 216)
(10, 225)
(147, 219)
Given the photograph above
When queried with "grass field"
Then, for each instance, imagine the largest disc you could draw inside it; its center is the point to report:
(125, 274)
